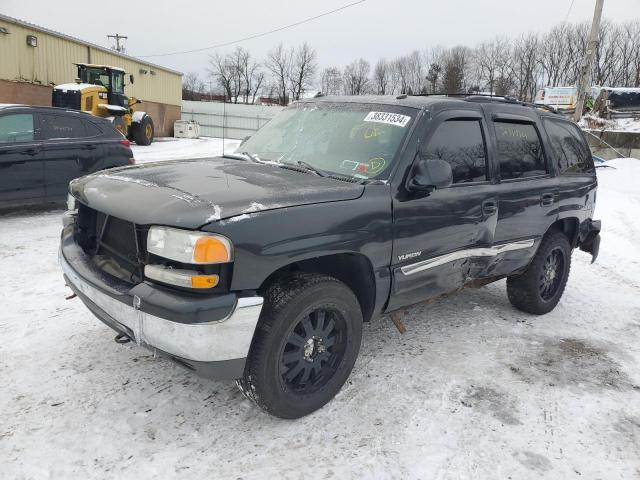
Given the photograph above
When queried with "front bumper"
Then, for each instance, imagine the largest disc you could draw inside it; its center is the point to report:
(211, 337)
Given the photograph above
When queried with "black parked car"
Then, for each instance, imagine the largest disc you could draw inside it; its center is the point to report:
(43, 148)
(262, 266)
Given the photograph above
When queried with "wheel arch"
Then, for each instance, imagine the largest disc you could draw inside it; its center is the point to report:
(353, 269)
(570, 226)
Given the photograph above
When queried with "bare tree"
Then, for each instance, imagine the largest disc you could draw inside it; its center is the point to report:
(302, 69)
(331, 81)
(455, 67)
(222, 73)
(192, 86)
(525, 59)
(492, 61)
(382, 77)
(356, 77)
(278, 62)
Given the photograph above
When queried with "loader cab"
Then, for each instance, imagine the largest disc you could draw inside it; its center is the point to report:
(110, 78)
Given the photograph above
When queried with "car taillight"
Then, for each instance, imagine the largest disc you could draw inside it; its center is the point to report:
(125, 142)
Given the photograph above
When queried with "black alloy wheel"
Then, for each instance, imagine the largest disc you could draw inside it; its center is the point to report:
(313, 351)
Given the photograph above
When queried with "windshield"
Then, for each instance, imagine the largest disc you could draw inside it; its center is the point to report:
(355, 140)
(94, 76)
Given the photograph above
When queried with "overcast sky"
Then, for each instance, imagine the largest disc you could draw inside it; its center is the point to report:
(371, 29)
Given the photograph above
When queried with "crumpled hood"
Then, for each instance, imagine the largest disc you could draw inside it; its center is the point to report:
(192, 193)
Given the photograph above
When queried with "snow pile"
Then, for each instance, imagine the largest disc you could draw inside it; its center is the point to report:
(473, 389)
(592, 122)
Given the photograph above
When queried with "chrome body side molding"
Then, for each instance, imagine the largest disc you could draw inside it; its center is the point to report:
(467, 253)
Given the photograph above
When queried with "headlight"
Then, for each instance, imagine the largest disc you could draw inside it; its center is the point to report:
(189, 247)
(72, 203)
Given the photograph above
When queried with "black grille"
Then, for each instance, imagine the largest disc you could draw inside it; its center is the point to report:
(68, 99)
(116, 246)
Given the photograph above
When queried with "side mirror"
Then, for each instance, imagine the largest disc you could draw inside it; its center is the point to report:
(131, 79)
(428, 175)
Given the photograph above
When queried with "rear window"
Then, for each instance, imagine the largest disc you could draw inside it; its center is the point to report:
(520, 150)
(569, 147)
(62, 126)
(16, 127)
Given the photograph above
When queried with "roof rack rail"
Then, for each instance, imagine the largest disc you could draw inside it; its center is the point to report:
(486, 97)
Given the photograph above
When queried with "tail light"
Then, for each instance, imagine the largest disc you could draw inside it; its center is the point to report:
(125, 142)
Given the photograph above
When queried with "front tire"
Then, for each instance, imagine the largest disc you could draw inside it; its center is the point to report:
(144, 131)
(539, 288)
(305, 346)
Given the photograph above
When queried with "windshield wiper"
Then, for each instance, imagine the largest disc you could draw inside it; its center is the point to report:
(308, 166)
(237, 156)
(253, 157)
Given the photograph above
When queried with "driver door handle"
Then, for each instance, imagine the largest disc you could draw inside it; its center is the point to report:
(547, 199)
(489, 207)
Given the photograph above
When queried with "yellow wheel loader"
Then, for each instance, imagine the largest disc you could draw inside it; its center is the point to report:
(99, 90)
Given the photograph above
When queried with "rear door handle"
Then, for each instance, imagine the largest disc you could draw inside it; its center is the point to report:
(547, 199)
(489, 207)
(30, 151)
(91, 146)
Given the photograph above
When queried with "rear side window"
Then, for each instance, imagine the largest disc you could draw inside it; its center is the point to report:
(461, 144)
(62, 126)
(16, 127)
(569, 147)
(520, 151)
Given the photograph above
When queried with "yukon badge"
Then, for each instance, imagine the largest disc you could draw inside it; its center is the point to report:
(407, 256)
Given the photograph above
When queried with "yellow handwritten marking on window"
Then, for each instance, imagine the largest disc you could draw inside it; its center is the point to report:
(367, 131)
(514, 133)
(376, 165)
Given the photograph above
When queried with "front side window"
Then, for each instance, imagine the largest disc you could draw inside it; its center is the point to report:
(16, 127)
(461, 144)
(61, 127)
(569, 147)
(356, 140)
(520, 152)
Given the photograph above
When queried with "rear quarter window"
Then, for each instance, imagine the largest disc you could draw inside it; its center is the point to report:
(92, 129)
(570, 149)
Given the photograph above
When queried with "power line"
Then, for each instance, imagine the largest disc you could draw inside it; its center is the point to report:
(568, 12)
(226, 44)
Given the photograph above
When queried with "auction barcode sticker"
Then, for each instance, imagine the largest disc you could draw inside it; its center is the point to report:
(388, 117)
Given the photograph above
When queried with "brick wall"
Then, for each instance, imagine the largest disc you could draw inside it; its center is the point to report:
(25, 93)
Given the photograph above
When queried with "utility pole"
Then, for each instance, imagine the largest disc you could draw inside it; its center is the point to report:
(119, 48)
(585, 73)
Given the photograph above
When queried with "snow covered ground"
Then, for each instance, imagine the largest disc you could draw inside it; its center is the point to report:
(168, 148)
(473, 390)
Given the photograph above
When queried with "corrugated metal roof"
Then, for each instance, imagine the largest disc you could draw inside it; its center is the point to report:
(48, 31)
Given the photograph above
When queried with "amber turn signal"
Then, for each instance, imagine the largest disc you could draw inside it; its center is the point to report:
(211, 250)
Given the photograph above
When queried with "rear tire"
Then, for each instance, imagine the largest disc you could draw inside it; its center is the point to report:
(305, 346)
(539, 288)
(144, 131)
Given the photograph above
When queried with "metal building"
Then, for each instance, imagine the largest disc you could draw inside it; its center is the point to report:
(33, 59)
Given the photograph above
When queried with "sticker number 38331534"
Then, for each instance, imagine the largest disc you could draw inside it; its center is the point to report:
(387, 117)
